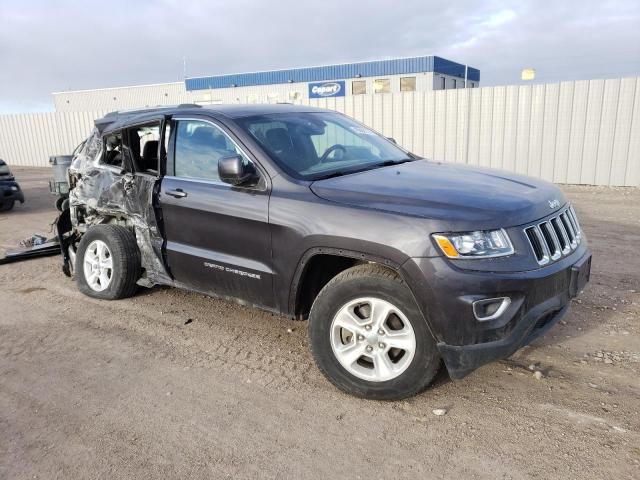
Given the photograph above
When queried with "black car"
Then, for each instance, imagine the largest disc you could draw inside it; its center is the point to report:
(10, 191)
(400, 264)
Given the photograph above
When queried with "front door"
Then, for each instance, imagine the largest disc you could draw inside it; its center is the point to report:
(218, 238)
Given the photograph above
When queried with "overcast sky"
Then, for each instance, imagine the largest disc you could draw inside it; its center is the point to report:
(48, 46)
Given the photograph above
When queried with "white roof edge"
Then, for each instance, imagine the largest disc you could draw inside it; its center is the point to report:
(118, 88)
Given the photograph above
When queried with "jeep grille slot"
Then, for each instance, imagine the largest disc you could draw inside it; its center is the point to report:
(554, 238)
(536, 240)
(561, 234)
(552, 242)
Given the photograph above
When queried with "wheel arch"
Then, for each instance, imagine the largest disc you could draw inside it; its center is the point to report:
(310, 277)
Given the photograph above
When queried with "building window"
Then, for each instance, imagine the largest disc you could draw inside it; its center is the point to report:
(408, 84)
(454, 84)
(472, 84)
(443, 83)
(382, 85)
(359, 87)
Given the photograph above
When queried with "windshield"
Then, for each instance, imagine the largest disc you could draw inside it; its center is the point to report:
(316, 145)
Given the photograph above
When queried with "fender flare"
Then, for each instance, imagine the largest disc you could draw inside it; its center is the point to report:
(294, 289)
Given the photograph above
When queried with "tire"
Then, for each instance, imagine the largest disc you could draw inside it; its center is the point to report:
(361, 290)
(5, 207)
(121, 254)
(59, 203)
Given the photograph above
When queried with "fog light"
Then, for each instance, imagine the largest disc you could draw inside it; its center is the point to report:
(490, 308)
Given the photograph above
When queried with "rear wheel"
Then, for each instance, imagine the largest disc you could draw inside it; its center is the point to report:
(368, 336)
(108, 262)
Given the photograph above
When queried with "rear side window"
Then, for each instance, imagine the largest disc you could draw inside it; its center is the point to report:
(199, 147)
(113, 150)
(143, 146)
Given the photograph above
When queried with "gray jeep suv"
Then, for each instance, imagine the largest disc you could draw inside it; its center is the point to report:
(399, 263)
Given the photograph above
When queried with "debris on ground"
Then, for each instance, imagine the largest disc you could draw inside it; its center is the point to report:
(439, 411)
(33, 241)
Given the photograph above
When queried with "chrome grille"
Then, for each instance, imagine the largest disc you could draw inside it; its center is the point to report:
(555, 237)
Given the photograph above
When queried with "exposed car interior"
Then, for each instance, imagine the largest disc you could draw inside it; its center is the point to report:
(317, 143)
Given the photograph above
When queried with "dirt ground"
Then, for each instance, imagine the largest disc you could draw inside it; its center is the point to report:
(171, 384)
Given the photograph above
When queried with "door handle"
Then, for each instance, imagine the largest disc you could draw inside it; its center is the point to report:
(177, 193)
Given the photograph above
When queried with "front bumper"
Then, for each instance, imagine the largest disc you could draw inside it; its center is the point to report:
(539, 299)
(10, 191)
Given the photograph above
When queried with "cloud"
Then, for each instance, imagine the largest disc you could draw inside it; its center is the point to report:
(50, 46)
(499, 18)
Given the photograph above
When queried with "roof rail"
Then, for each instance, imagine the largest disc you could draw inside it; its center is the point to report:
(189, 105)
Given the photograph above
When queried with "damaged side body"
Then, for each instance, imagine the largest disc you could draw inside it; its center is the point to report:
(109, 184)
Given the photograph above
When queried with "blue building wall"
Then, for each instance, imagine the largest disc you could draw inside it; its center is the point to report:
(336, 72)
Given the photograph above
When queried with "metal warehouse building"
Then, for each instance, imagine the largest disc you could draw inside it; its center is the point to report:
(291, 85)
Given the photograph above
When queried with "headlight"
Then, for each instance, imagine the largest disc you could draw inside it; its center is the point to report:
(478, 244)
(14, 188)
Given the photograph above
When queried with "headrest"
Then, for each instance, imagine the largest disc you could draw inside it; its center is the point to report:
(202, 135)
(150, 149)
(279, 139)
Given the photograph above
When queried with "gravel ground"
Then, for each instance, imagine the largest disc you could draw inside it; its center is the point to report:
(171, 384)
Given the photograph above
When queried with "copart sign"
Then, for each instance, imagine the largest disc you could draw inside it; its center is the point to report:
(326, 89)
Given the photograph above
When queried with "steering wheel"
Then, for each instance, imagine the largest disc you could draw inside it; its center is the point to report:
(330, 150)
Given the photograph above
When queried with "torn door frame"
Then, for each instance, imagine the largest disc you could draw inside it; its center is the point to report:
(104, 194)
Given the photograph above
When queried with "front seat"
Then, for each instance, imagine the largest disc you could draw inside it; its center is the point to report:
(150, 156)
(281, 143)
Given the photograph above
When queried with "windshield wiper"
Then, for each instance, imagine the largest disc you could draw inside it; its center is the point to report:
(385, 163)
(388, 163)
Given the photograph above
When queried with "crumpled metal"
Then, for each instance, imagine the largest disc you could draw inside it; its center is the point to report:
(106, 194)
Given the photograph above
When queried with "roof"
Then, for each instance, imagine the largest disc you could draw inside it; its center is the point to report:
(335, 72)
(116, 120)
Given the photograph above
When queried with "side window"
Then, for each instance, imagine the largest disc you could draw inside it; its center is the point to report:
(113, 150)
(199, 147)
(142, 146)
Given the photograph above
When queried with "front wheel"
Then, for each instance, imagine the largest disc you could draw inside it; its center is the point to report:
(5, 207)
(368, 336)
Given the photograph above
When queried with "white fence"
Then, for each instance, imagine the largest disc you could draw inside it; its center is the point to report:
(579, 132)
(30, 138)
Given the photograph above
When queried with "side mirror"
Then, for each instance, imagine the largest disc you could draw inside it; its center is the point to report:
(234, 171)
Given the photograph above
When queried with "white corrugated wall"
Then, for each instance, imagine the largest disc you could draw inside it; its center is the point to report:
(578, 132)
(30, 138)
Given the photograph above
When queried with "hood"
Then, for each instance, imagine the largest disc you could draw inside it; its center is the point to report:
(449, 192)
